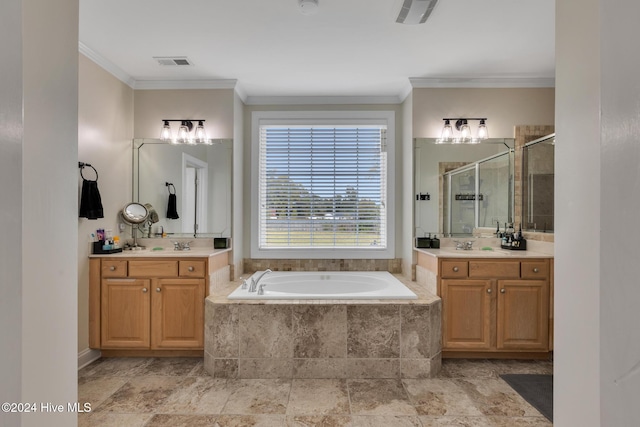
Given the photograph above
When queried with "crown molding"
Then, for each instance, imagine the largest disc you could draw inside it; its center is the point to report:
(107, 65)
(405, 92)
(242, 94)
(482, 82)
(321, 100)
(185, 84)
(117, 72)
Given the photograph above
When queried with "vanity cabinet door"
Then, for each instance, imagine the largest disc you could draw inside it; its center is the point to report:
(523, 315)
(467, 314)
(178, 313)
(125, 316)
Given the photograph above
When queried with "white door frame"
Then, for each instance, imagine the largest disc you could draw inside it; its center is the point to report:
(202, 174)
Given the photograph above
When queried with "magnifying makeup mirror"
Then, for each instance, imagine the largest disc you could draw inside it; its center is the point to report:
(134, 214)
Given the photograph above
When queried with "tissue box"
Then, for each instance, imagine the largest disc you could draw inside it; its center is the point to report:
(423, 242)
(98, 248)
(221, 242)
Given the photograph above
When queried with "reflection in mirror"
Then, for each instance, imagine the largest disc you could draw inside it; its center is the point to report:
(538, 184)
(431, 162)
(189, 185)
(459, 202)
(496, 188)
(479, 195)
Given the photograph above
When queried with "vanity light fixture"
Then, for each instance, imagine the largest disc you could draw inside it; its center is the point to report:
(184, 135)
(464, 135)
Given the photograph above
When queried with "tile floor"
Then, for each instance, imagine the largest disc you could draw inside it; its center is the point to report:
(178, 392)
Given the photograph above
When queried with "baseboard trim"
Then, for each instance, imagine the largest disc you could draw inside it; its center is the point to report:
(87, 356)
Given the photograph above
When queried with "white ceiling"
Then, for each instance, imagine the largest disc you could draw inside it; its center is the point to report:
(349, 48)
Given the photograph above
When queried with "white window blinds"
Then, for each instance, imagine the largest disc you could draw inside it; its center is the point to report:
(322, 187)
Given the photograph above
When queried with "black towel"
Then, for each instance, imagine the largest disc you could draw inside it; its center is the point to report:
(172, 211)
(90, 201)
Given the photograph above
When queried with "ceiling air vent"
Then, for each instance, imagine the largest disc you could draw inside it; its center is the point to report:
(415, 11)
(172, 60)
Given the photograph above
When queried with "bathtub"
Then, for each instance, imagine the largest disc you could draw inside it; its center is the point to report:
(352, 285)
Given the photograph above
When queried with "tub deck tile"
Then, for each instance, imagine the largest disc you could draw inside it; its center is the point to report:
(323, 338)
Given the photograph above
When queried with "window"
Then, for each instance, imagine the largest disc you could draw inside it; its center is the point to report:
(322, 185)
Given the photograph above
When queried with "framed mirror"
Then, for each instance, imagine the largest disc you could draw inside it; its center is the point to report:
(538, 184)
(432, 161)
(190, 186)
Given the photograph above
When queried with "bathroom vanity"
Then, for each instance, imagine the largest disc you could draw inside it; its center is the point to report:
(494, 303)
(151, 302)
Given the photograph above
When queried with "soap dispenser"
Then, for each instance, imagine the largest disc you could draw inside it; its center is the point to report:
(435, 242)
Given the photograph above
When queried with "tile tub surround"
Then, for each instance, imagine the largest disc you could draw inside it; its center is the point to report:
(391, 265)
(322, 338)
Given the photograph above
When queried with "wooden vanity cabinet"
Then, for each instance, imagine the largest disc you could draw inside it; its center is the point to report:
(494, 306)
(466, 312)
(147, 304)
(125, 313)
(177, 314)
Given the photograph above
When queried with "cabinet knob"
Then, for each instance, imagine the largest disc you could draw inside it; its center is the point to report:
(112, 268)
(535, 269)
(489, 290)
(191, 268)
(456, 269)
(158, 289)
(502, 291)
(144, 290)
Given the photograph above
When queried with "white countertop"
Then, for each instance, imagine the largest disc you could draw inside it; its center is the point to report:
(194, 252)
(451, 252)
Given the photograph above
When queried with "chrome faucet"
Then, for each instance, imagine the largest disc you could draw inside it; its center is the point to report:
(465, 246)
(181, 246)
(254, 282)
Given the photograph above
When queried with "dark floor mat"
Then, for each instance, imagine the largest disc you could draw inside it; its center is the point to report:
(535, 389)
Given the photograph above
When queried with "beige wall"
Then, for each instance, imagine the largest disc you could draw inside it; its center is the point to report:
(47, 135)
(237, 223)
(405, 217)
(503, 108)
(105, 130)
(577, 338)
(213, 105)
(11, 134)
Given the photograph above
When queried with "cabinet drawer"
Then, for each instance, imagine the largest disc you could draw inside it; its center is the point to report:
(114, 268)
(494, 269)
(156, 268)
(193, 268)
(454, 269)
(535, 269)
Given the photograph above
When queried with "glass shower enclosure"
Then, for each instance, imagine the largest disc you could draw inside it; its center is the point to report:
(479, 195)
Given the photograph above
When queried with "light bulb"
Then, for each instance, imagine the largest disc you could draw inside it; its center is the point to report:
(465, 131)
(183, 133)
(165, 132)
(446, 131)
(483, 133)
(200, 134)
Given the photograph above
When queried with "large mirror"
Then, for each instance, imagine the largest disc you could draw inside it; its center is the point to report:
(538, 184)
(479, 195)
(433, 161)
(189, 186)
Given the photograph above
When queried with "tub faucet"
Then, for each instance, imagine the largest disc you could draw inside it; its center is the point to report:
(254, 282)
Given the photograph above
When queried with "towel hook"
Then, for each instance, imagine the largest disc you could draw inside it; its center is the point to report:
(82, 165)
(169, 186)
